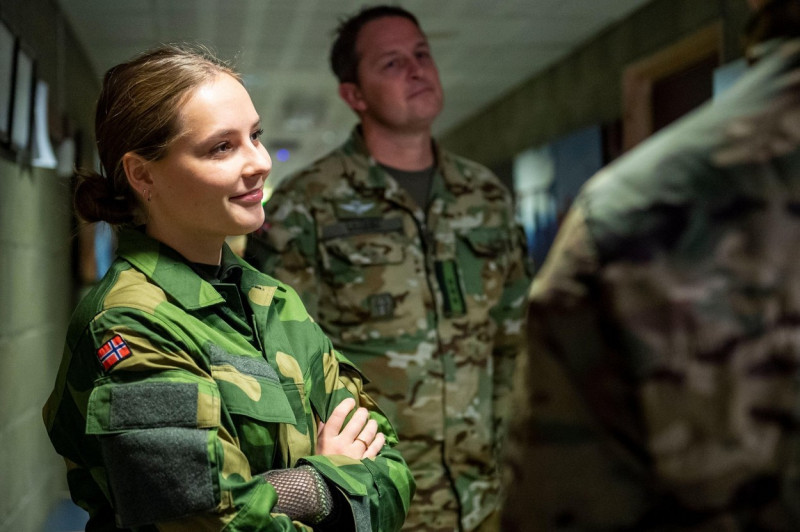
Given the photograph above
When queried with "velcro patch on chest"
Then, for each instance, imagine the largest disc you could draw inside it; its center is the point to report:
(450, 285)
(381, 305)
(360, 226)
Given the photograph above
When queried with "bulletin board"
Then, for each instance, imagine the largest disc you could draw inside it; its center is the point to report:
(7, 51)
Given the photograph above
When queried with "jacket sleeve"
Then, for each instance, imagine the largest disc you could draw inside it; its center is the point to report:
(377, 490)
(285, 247)
(570, 457)
(154, 435)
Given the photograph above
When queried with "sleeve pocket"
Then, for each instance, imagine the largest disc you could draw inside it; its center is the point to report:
(118, 407)
(180, 482)
(173, 420)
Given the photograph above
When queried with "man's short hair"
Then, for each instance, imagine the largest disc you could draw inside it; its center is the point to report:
(344, 59)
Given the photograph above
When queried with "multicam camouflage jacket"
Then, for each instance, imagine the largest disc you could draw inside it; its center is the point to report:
(428, 305)
(660, 391)
(170, 404)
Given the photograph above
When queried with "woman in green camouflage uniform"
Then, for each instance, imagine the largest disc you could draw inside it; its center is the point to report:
(194, 392)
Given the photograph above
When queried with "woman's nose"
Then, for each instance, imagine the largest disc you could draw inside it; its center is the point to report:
(259, 162)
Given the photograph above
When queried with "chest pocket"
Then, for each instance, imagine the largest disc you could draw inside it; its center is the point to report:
(366, 250)
(252, 394)
(487, 241)
(483, 259)
(351, 247)
(372, 279)
(355, 243)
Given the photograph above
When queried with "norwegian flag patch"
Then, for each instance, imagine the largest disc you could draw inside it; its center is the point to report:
(112, 352)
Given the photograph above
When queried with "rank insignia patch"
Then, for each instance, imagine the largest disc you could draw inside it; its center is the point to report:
(112, 352)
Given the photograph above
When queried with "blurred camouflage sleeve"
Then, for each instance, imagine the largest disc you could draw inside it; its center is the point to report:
(659, 391)
(285, 246)
(570, 457)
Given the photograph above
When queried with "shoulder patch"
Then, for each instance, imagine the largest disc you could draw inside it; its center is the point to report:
(113, 352)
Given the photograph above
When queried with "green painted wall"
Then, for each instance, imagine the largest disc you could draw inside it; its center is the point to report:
(35, 302)
(585, 88)
(36, 279)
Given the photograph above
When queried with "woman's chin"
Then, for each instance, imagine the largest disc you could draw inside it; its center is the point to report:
(248, 226)
(247, 222)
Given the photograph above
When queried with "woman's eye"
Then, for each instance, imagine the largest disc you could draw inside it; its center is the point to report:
(221, 147)
(255, 135)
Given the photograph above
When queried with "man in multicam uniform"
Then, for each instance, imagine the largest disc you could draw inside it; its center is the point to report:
(660, 391)
(422, 285)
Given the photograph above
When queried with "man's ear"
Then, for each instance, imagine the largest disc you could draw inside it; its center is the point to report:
(351, 94)
(137, 170)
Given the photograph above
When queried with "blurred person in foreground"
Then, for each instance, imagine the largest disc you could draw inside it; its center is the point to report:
(409, 258)
(660, 390)
(195, 393)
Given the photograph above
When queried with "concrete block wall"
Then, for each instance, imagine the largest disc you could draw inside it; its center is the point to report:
(35, 302)
(36, 274)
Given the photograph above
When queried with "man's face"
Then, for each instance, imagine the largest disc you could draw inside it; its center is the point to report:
(398, 84)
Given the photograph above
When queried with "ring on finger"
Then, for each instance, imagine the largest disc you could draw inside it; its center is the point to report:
(366, 445)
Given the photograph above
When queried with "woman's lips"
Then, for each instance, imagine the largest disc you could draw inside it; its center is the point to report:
(253, 196)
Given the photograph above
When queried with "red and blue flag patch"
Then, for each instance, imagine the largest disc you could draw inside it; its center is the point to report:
(112, 352)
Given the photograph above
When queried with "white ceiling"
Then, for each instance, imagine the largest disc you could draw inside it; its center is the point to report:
(483, 49)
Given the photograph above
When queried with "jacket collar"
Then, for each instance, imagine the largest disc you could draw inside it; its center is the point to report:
(364, 171)
(168, 269)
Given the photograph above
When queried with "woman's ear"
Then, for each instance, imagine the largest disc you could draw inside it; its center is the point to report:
(351, 94)
(137, 170)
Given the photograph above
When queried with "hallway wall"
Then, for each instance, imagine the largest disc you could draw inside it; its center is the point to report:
(36, 284)
(35, 295)
(585, 88)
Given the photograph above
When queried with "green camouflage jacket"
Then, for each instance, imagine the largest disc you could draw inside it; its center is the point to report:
(429, 305)
(660, 391)
(170, 402)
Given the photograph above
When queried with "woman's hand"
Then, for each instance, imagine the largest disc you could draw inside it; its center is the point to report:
(359, 439)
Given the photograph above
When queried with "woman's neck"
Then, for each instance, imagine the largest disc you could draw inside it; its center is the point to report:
(194, 249)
